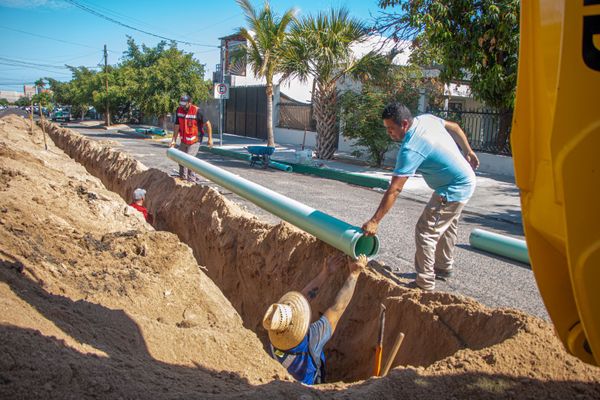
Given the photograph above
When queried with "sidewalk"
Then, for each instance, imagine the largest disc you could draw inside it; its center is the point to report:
(496, 196)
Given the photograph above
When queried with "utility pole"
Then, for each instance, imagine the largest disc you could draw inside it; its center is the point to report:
(221, 113)
(107, 114)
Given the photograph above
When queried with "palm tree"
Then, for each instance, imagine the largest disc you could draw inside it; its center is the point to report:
(265, 34)
(320, 47)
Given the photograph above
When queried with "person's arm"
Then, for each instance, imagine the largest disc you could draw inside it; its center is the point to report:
(209, 132)
(175, 131)
(388, 200)
(311, 290)
(458, 135)
(334, 313)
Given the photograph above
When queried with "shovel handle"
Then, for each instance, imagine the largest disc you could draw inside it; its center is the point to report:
(388, 364)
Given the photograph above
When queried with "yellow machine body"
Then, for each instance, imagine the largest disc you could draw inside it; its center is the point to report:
(556, 149)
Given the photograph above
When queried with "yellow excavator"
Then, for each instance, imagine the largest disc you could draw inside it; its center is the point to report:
(556, 149)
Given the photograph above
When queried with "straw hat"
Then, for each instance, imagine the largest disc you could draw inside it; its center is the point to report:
(287, 320)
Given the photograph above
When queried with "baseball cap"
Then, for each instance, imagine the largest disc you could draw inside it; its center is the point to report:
(185, 98)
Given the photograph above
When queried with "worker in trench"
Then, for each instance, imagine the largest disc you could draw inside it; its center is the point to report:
(428, 145)
(295, 342)
(139, 197)
(190, 126)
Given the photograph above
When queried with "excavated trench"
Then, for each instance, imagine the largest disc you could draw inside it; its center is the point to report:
(254, 263)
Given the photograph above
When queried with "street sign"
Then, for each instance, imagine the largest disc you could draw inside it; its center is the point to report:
(221, 91)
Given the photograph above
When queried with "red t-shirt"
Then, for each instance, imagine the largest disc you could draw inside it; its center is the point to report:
(143, 210)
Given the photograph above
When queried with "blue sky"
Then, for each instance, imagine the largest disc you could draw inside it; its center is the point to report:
(196, 21)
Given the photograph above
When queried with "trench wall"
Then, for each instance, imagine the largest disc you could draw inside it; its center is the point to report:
(254, 263)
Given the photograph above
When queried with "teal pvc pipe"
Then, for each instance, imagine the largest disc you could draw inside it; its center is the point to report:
(339, 234)
(280, 166)
(506, 246)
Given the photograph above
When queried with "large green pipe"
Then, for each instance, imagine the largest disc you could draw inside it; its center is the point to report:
(331, 230)
(502, 245)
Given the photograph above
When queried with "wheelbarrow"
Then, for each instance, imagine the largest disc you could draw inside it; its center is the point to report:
(260, 154)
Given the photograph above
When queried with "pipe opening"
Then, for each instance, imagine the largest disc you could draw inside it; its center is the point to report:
(367, 245)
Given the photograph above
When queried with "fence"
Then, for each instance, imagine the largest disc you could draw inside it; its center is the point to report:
(488, 131)
(296, 116)
(246, 112)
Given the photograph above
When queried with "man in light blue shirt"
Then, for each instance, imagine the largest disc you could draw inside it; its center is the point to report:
(429, 147)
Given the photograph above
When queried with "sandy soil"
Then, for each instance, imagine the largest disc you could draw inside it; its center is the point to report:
(96, 303)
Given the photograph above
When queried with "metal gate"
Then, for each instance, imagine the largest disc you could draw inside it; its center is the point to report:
(246, 112)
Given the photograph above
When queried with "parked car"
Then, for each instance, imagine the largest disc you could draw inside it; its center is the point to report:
(61, 114)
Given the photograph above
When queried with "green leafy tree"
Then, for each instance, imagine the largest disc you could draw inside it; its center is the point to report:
(361, 111)
(478, 40)
(23, 101)
(4, 102)
(117, 97)
(155, 77)
(320, 47)
(265, 35)
(78, 93)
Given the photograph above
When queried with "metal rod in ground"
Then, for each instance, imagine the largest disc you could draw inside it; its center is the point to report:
(506, 246)
(345, 237)
(392, 357)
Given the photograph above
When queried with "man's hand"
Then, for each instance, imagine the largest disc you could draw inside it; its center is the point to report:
(210, 143)
(370, 227)
(472, 159)
(172, 144)
(358, 264)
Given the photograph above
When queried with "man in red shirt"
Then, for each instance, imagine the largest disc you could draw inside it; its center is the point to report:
(139, 195)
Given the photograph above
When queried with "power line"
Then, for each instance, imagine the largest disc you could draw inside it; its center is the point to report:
(106, 17)
(32, 64)
(119, 15)
(48, 37)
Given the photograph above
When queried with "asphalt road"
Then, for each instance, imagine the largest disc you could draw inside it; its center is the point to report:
(494, 281)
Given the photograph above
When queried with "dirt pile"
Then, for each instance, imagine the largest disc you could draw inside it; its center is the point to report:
(94, 301)
(455, 347)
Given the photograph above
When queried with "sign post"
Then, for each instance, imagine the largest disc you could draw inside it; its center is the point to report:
(221, 92)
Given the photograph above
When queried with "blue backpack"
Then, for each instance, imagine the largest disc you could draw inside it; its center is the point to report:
(304, 366)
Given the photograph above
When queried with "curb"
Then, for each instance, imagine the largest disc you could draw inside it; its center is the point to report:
(328, 173)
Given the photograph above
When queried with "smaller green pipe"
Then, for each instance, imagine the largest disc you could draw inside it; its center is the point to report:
(506, 246)
(280, 166)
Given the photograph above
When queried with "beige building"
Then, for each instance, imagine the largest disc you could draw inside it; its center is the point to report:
(10, 95)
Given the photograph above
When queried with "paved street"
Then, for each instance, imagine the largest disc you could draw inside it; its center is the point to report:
(494, 281)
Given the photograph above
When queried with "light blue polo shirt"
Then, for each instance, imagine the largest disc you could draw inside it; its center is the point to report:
(428, 149)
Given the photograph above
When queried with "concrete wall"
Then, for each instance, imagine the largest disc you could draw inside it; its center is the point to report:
(495, 164)
(294, 137)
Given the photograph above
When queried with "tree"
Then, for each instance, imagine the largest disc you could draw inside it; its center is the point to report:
(78, 93)
(3, 102)
(155, 78)
(23, 101)
(320, 47)
(265, 35)
(478, 40)
(361, 111)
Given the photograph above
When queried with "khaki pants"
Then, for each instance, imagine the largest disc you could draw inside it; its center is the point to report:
(192, 150)
(435, 237)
